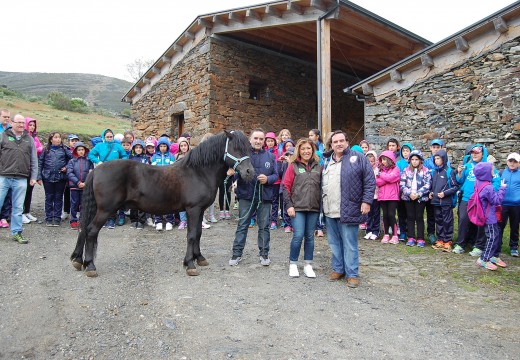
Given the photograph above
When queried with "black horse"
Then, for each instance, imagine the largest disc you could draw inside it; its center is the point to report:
(190, 185)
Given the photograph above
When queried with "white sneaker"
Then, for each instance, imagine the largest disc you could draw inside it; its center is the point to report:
(368, 235)
(235, 261)
(149, 222)
(158, 226)
(293, 270)
(265, 261)
(30, 217)
(213, 219)
(168, 227)
(307, 270)
(373, 237)
(204, 225)
(64, 215)
(25, 220)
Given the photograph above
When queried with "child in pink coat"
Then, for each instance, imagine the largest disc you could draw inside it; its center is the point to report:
(388, 195)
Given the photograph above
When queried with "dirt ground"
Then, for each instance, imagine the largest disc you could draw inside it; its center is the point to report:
(411, 303)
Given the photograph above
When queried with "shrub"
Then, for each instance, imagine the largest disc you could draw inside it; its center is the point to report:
(61, 102)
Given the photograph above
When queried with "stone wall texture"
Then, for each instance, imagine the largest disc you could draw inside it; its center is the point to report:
(476, 102)
(210, 86)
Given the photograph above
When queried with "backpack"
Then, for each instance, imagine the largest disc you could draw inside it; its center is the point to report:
(475, 211)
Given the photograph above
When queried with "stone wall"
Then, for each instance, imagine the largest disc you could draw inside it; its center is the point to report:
(476, 102)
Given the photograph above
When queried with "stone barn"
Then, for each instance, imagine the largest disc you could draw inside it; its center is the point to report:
(278, 65)
(464, 89)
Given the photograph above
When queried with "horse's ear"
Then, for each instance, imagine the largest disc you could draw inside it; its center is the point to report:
(229, 134)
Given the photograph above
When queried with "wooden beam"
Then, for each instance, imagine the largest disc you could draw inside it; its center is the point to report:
(500, 25)
(367, 89)
(326, 98)
(461, 44)
(295, 8)
(235, 17)
(318, 4)
(271, 10)
(219, 20)
(204, 23)
(396, 76)
(188, 35)
(426, 60)
(177, 47)
(252, 14)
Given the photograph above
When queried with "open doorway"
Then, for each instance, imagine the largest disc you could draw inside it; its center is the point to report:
(177, 125)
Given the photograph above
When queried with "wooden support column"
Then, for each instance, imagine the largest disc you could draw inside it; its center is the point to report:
(324, 77)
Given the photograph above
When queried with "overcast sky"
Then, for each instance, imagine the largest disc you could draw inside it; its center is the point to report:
(102, 36)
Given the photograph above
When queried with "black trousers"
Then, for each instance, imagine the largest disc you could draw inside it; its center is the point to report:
(388, 207)
(28, 198)
(430, 218)
(511, 213)
(469, 233)
(444, 222)
(415, 216)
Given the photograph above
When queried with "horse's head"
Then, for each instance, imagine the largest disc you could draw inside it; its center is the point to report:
(236, 156)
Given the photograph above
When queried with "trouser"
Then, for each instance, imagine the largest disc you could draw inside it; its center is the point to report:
(492, 241)
(343, 242)
(66, 199)
(5, 213)
(415, 216)
(467, 228)
(224, 189)
(287, 221)
(389, 207)
(511, 213)
(275, 203)
(28, 198)
(374, 218)
(263, 212)
(53, 199)
(169, 218)
(18, 187)
(444, 222)
(76, 195)
(137, 216)
(402, 216)
(430, 218)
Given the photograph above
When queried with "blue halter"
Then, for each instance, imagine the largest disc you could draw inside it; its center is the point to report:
(232, 157)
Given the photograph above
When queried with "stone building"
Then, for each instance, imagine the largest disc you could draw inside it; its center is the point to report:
(464, 89)
(278, 65)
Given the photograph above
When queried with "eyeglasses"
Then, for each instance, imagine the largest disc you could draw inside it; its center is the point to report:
(19, 122)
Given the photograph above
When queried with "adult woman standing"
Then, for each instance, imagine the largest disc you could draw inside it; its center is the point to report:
(301, 191)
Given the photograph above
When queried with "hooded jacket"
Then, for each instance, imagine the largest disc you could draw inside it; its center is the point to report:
(423, 178)
(388, 179)
(37, 144)
(443, 180)
(50, 163)
(512, 179)
(375, 168)
(107, 150)
(489, 198)
(403, 163)
(467, 178)
(78, 167)
(142, 158)
(162, 159)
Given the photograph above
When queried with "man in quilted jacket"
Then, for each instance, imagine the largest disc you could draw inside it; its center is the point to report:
(348, 191)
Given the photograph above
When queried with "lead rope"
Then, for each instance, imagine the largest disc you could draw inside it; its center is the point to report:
(252, 202)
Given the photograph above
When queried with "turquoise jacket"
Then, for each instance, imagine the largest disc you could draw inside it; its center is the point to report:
(106, 151)
(402, 163)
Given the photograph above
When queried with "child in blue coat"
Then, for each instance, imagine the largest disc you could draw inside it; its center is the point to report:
(77, 170)
(163, 157)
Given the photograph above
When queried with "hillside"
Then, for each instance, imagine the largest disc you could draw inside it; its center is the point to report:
(99, 91)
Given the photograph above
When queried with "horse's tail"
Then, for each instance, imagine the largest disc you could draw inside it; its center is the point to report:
(88, 211)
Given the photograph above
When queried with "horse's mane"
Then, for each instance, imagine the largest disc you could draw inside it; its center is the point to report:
(211, 151)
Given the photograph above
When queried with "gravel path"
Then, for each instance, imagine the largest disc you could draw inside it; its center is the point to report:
(143, 305)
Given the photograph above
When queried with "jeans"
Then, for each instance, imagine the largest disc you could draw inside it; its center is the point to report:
(343, 242)
(53, 199)
(304, 224)
(263, 213)
(18, 187)
(75, 203)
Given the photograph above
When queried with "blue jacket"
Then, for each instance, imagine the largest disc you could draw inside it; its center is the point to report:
(402, 163)
(264, 163)
(142, 158)
(467, 178)
(106, 151)
(78, 167)
(443, 180)
(166, 159)
(50, 163)
(512, 178)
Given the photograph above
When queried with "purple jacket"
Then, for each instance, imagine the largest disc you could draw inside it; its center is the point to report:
(488, 197)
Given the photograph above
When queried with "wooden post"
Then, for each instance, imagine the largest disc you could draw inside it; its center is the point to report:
(326, 113)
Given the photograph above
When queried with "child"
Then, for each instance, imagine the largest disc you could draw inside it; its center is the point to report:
(374, 216)
(184, 147)
(489, 199)
(163, 157)
(127, 146)
(283, 163)
(365, 145)
(444, 188)
(30, 126)
(283, 136)
(77, 170)
(150, 150)
(415, 188)
(270, 146)
(393, 145)
(388, 195)
(138, 217)
(52, 171)
(511, 205)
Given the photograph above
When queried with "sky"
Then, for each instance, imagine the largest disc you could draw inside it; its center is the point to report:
(103, 36)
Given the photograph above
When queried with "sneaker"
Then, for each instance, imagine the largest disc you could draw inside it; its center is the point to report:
(373, 237)
(204, 225)
(265, 261)
(362, 226)
(228, 215)
(447, 246)
(120, 221)
(514, 252)
(139, 226)
(4, 223)
(222, 215)
(432, 238)
(293, 270)
(394, 240)
(49, 223)
(498, 262)
(402, 237)
(235, 207)
(287, 229)
(421, 243)
(368, 235)
(182, 225)
(410, 242)
(30, 217)
(252, 223)
(273, 226)
(56, 222)
(74, 225)
(475, 252)
(385, 239)
(149, 222)
(25, 219)
(169, 226)
(439, 245)
(158, 226)
(487, 265)
(234, 260)
(111, 224)
(308, 271)
(213, 219)
(64, 215)
(20, 239)
(319, 233)
(457, 249)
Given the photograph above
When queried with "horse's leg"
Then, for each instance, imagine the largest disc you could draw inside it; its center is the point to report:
(201, 260)
(91, 241)
(194, 222)
(77, 255)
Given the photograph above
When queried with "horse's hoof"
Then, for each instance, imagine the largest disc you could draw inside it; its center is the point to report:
(91, 273)
(193, 272)
(77, 265)
(202, 262)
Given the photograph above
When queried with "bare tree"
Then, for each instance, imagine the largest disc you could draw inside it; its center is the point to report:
(138, 67)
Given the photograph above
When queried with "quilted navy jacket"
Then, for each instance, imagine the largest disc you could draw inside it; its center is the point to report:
(50, 163)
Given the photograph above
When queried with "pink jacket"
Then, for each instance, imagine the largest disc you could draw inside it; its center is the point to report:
(388, 179)
(37, 143)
